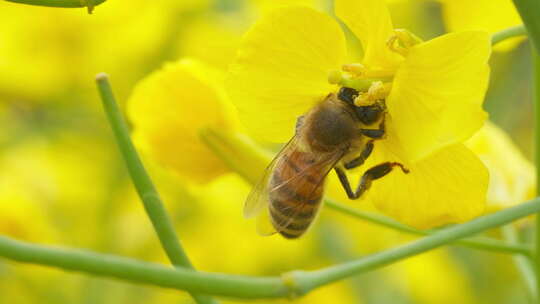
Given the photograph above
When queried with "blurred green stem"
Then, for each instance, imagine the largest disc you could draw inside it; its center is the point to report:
(529, 10)
(145, 188)
(523, 265)
(481, 243)
(247, 159)
(90, 4)
(518, 30)
(288, 285)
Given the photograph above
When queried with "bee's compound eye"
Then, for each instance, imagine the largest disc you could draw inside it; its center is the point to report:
(348, 95)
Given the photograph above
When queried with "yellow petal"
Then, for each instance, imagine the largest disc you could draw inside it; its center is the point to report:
(512, 179)
(437, 93)
(370, 21)
(282, 69)
(447, 187)
(487, 15)
(169, 107)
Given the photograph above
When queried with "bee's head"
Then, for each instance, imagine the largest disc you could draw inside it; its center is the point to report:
(367, 114)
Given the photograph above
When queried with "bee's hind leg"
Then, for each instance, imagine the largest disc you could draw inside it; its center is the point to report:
(374, 173)
(369, 176)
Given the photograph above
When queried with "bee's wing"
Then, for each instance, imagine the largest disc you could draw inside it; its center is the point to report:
(258, 198)
(322, 164)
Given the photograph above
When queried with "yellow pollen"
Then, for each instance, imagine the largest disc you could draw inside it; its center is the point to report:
(377, 91)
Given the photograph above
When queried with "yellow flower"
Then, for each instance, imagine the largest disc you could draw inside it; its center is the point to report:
(169, 108)
(433, 96)
(512, 179)
(488, 15)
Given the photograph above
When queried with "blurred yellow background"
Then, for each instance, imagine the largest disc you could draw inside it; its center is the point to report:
(63, 182)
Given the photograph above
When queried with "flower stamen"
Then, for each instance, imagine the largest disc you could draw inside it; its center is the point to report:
(377, 91)
(359, 70)
(402, 41)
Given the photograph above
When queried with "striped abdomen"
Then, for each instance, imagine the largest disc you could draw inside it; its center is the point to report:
(297, 186)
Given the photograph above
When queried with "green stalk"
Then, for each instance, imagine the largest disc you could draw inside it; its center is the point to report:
(90, 4)
(481, 243)
(142, 272)
(145, 188)
(536, 94)
(530, 14)
(515, 31)
(522, 263)
(288, 285)
(529, 11)
(313, 279)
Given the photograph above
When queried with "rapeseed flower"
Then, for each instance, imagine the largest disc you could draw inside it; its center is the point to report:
(168, 110)
(488, 15)
(511, 175)
(433, 97)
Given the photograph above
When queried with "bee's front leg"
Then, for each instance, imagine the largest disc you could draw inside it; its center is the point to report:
(375, 133)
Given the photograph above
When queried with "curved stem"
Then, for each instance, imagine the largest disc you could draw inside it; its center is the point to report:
(313, 279)
(529, 10)
(518, 30)
(290, 284)
(481, 243)
(523, 265)
(143, 272)
(145, 188)
(90, 4)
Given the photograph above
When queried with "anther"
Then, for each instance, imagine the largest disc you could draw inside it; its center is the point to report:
(401, 41)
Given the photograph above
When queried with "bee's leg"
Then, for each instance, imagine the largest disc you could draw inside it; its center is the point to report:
(375, 133)
(374, 173)
(362, 158)
(344, 182)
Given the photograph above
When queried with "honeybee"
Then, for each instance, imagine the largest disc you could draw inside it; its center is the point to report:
(332, 135)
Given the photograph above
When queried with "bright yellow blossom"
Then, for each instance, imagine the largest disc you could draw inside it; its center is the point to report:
(512, 179)
(170, 107)
(488, 15)
(433, 95)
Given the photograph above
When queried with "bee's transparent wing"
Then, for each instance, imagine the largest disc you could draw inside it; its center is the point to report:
(258, 198)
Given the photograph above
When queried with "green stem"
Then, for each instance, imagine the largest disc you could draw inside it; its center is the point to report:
(529, 10)
(518, 30)
(530, 14)
(90, 4)
(145, 188)
(290, 284)
(523, 264)
(536, 94)
(481, 243)
(313, 279)
(142, 272)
